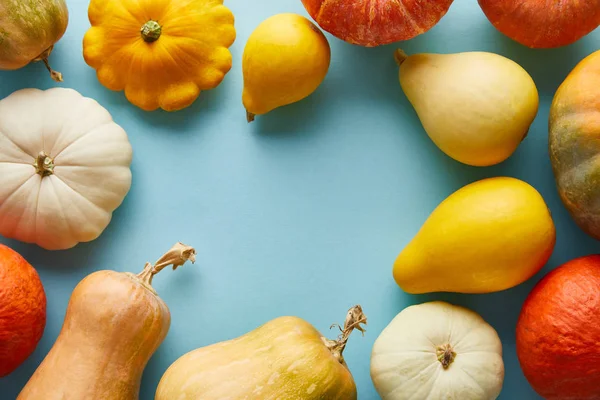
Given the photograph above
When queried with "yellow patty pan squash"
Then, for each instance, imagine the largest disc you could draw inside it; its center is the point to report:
(162, 53)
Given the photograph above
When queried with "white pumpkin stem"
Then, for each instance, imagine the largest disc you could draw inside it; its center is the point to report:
(354, 320)
(445, 355)
(44, 165)
(177, 256)
(400, 56)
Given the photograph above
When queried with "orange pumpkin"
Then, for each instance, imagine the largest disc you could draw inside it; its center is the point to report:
(376, 22)
(22, 310)
(162, 53)
(543, 23)
(558, 334)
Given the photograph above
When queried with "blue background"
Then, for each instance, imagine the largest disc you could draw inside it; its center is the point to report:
(302, 212)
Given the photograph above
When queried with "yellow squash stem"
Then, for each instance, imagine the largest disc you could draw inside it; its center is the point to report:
(354, 319)
(400, 56)
(177, 256)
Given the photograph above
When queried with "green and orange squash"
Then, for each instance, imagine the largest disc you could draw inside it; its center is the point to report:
(574, 141)
(28, 31)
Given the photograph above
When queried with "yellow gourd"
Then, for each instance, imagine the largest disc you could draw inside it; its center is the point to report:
(162, 53)
(488, 236)
(286, 358)
(285, 60)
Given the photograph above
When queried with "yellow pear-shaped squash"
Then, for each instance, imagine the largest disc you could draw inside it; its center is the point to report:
(285, 60)
(287, 358)
(162, 53)
(488, 236)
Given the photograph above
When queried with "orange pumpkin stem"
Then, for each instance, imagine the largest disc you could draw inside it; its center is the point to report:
(177, 256)
(354, 320)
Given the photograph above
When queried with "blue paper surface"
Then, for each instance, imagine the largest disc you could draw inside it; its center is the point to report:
(302, 212)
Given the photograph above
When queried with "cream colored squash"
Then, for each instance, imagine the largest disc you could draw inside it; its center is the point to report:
(438, 351)
(64, 167)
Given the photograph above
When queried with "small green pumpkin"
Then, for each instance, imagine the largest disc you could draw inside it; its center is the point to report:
(28, 31)
(574, 142)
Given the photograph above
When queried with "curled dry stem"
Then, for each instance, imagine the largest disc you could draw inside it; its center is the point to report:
(354, 320)
(55, 75)
(177, 256)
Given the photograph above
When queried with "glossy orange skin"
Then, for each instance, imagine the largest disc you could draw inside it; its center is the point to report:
(558, 332)
(22, 310)
(376, 22)
(543, 23)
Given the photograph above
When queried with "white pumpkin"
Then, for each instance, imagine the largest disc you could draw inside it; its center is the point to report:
(64, 167)
(438, 351)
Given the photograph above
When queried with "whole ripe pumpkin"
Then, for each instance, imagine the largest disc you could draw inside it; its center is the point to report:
(376, 22)
(28, 31)
(287, 358)
(64, 167)
(114, 323)
(574, 142)
(22, 310)
(558, 333)
(162, 53)
(543, 23)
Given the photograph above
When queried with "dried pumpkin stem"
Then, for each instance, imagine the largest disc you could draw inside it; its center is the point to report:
(55, 75)
(250, 117)
(44, 165)
(177, 256)
(400, 56)
(354, 320)
(445, 355)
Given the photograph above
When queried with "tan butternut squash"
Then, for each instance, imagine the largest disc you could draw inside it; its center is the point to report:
(286, 358)
(114, 323)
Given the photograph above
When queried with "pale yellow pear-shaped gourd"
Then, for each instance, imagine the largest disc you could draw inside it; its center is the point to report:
(285, 60)
(477, 107)
(488, 236)
(285, 359)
